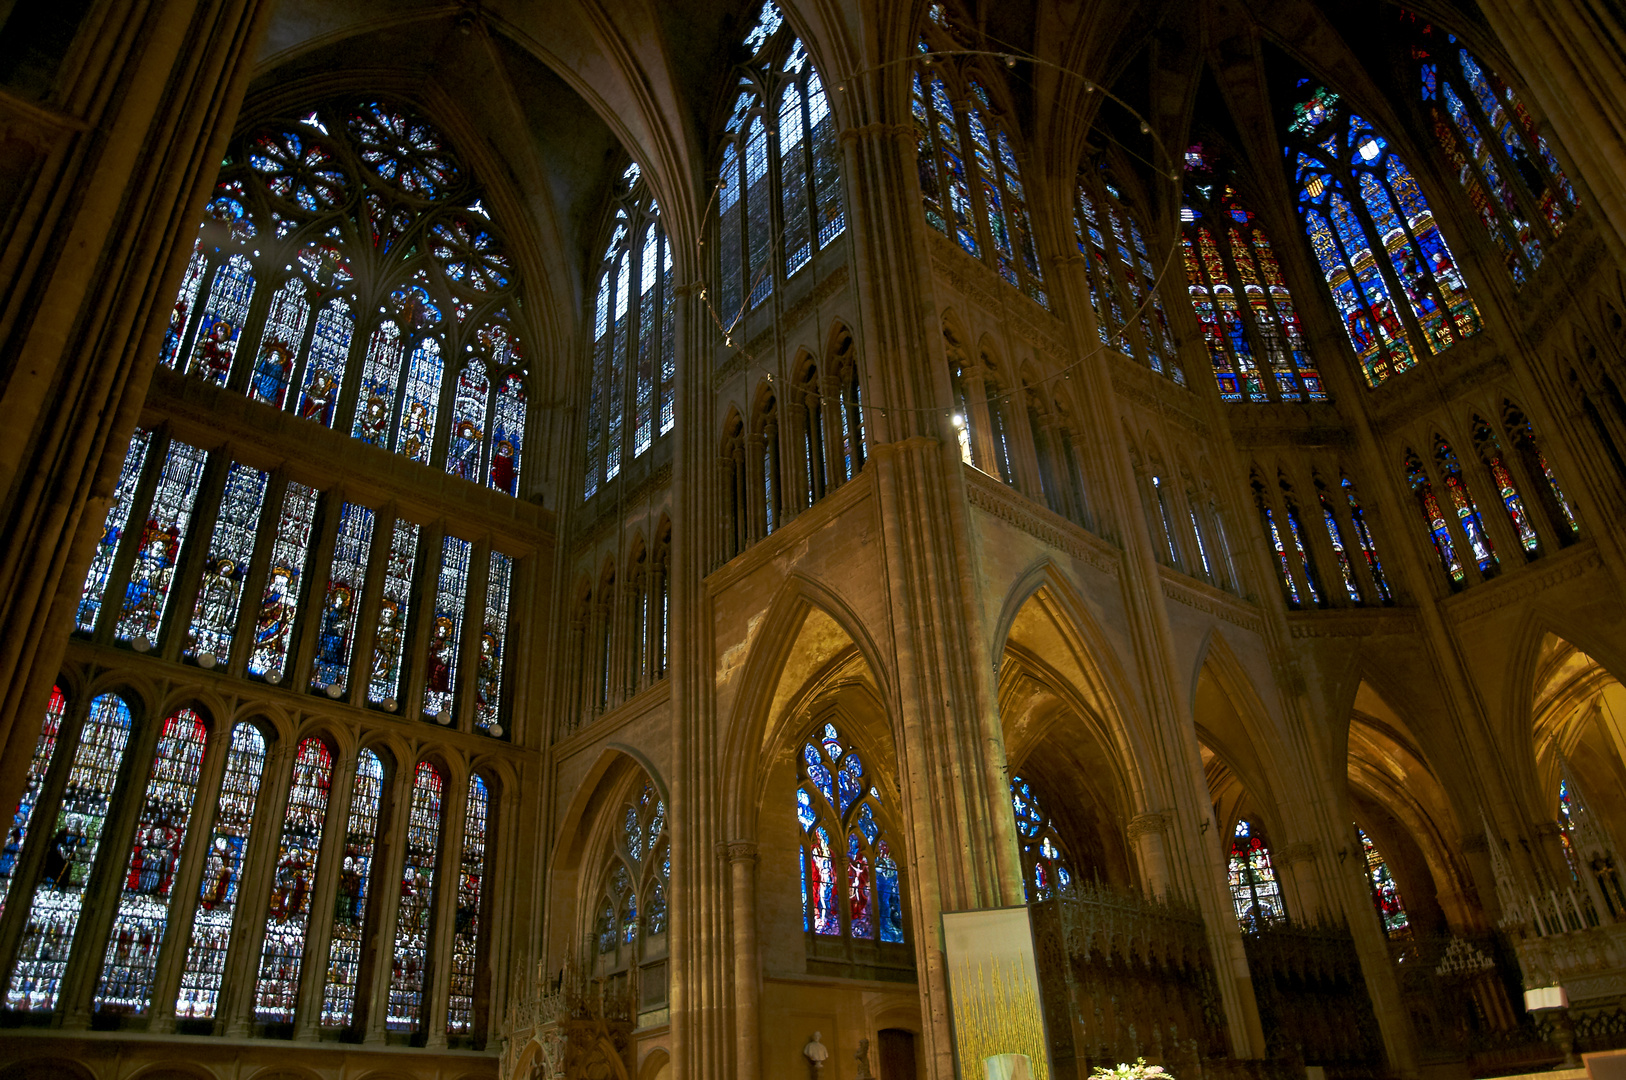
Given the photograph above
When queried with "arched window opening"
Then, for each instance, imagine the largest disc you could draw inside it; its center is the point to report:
(350, 909)
(22, 819)
(1247, 315)
(1522, 436)
(269, 657)
(226, 567)
(1046, 869)
(1273, 535)
(54, 908)
(1197, 535)
(956, 122)
(639, 616)
(960, 378)
(1165, 520)
(387, 674)
(343, 258)
(1295, 530)
(1491, 140)
(152, 570)
(765, 455)
(850, 409)
(414, 922)
(1129, 312)
(1385, 893)
(1587, 847)
(661, 601)
(809, 410)
(1490, 455)
(1467, 512)
(1363, 536)
(851, 888)
(1335, 537)
(1375, 239)
(490, 700)
(736, 493)
(468, 939)
(997, 403)
(335, 635)
(1254, 889)
(631, 912)
(1067, 442)
(139, 925)
(1042, 427)
(779, 183)
(293, 881)
(216, 910)
(631, 358)
(604, 638)
(1423, 490)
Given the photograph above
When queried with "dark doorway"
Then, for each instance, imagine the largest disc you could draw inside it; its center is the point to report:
(897, 1054)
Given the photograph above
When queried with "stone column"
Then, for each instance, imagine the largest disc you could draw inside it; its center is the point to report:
(111, 161)
(742, 866)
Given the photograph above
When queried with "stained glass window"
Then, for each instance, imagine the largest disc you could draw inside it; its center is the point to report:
(971, 148)
(488, 676)
(1129, 313)
(23, 818)
(53, 914)
(1295, 530)
(1231, 269)
(1273, 534)
(1490, 452)
(630, 385)
(470, 887)
(781, 126)
(218, 894)
(451, 594)
(231, 549)
(336, 634)
(1423, 490)
(1467, 512)
(153, 571)
(1523, 437)
(1385, 893)
(384, 681)
(1507, 171)
(1376, 241)
(293, 880)
(350, 904)
(113, 527)
(1363, 534)
(415, 915)
(469, 421)
(1254, 889)
(1335, 536)
(137, 935)
(850, 886)
(1045, 869)
(284, 585)
(309, 217)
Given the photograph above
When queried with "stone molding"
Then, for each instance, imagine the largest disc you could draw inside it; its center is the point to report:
(35, 126)
(994, 498)
(798, 312)
(1347, 623)
(976, 282)
(1291, 854)
(736, 851)
(1152, 823)
(1210, 601)
(1150, 391)
(1488, 596)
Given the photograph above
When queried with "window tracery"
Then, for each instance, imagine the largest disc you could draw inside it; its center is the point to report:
(1231, 269)
(1376, 240)
(293, 881)
(970, 178)
(355, 277)
(1046, 869)
(471, 892)
(414, 921)
(630, 911)
(1129, 313)
(632, 368)
(1255, 891)
(1490, 140)
(350, 910)
(779, 180)
(851, 887)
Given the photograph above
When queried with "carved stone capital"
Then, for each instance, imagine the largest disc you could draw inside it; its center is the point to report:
(1155, 823)
(736, 851)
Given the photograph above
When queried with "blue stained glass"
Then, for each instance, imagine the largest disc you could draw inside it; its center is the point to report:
(451, 594)
(279, 603)
(350, 905)
(280, 342)
(324, 371)
(147, 593)
(820, 775)
(113, 526)
(220, 590)
(804, 809)
(293, 882)
(335, 636)
(866, 823)
(888, 895)
(849, 781)
(832, 742)
(417, 432)
(222, 324)
(468, 422)
(23, 818)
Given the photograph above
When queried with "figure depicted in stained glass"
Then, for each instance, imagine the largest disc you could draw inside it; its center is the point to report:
(503, 467)
(1254, 889)
(321, 394)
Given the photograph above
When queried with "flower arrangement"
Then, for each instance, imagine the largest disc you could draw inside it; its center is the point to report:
(1138, 1071)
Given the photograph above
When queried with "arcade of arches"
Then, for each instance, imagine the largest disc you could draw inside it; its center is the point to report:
(559, 539)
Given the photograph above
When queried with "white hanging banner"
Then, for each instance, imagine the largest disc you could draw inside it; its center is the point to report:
(994, 993)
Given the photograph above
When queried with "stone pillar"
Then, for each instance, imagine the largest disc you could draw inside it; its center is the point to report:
(742, 865)
(111, 162)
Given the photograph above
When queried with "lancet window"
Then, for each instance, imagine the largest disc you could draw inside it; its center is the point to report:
(1248, 318)
(1394, 281)
(851, 888)
(1385, 893)
(1046, 869)
(970, 175)
(630, 907)
(1255, 892)
(1506, 168)
(633, 358)
(779, 180)
(348, 270)
(1129, 313)
(241, 545)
